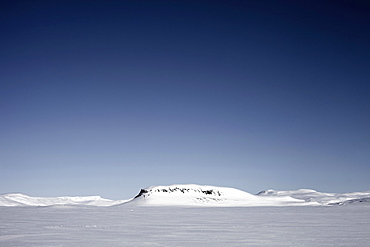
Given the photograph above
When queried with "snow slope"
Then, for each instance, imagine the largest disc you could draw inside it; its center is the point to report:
(17, 199)
(201, 195)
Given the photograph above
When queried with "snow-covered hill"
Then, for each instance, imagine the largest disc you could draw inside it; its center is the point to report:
(353, 201)
(17, 199)
(200, 195)
(309, 195)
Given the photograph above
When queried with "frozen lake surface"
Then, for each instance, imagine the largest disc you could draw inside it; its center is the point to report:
(125, 225)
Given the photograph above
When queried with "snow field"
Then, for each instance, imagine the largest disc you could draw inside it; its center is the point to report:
(185, 226)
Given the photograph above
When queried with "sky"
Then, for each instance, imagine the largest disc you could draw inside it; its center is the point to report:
(108, 97)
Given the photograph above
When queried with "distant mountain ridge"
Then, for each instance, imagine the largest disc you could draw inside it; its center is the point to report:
(321, 198)
(18, 199)
(197, 195)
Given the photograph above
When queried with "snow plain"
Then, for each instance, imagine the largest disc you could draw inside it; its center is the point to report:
(126, 225)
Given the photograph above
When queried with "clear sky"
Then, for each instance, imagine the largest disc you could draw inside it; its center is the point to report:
(107, 97)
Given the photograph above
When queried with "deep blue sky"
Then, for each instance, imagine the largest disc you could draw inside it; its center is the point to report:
(107, 97)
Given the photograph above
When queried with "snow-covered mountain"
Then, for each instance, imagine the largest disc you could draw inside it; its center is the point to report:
(353, 201)
(309, 195)
(198, 195)
(17, 199)
(201, 195)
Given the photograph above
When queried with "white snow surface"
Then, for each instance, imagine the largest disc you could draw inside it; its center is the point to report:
(132, 226)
